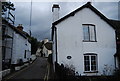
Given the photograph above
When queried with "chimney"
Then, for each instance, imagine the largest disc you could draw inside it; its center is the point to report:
(20, 27)
(55, 10)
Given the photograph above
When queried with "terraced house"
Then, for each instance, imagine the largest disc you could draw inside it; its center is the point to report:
(16, 46)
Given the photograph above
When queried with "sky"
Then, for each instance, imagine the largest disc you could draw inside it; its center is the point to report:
(41, 20)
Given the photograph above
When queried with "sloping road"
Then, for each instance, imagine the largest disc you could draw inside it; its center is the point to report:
(36, 71)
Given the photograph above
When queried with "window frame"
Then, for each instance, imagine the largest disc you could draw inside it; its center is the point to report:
(90, 67)
(95, 39)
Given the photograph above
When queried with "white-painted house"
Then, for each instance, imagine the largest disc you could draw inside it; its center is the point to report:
(84, 39)
(7, 43)
(38, 52)
(15, 44)
(21, 46)
(47, 48)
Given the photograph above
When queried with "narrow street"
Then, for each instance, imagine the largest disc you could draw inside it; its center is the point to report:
(36, 71)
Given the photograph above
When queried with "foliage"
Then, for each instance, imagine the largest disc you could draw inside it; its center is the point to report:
(117, 73)
(70, 69)
(63, 72)
(34, 45)
(68, 73)
(41, 44)
(107, 70)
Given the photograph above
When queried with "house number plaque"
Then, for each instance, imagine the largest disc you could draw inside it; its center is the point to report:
(69, 57)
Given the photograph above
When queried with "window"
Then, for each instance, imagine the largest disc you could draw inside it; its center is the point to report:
(89, 33)
(25, 54)
(90, 62)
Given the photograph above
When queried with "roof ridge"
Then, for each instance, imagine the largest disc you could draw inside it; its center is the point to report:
(73, 12)
(87, 5)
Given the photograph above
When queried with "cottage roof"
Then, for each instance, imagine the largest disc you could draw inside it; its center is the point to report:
(48, 45)
(87, 5)
(116, 23)
(22, 33)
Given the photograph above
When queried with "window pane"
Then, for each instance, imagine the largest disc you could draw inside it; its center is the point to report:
(92, 33)
(93, 57)
(93, 63)
(86, 63)
(87, 68)
(86, 32)
(86, 58)
(93, 68)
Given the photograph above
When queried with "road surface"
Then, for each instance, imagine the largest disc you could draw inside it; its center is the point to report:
(34, 72)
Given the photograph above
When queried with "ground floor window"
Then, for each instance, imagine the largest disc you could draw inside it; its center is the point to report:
(90, 62)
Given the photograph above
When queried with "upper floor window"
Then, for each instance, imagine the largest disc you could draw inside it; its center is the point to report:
(90, 62)
(89, 32)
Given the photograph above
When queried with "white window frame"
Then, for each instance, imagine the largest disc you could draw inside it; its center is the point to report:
(91, 35)
(89, 55)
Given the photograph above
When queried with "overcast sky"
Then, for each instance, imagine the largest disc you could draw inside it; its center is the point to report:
(42, 14)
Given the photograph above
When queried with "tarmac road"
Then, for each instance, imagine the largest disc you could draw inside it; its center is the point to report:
(35, 72)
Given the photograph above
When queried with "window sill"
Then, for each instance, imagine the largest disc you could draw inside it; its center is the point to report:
(89, 41)
(91, 72)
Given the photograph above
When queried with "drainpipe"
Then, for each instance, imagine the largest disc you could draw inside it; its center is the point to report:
(116, 48)
(56, 43)
(0, 41)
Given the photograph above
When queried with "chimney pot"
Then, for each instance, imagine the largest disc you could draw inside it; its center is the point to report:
(20, 27)
(55, 6)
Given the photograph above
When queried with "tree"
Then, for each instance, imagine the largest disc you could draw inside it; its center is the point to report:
(34, 45)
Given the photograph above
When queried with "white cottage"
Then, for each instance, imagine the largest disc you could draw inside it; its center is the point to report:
(38, 52)
(21, 46)
(15, 44)
(7, 43)
(46, 48)
(84, 39)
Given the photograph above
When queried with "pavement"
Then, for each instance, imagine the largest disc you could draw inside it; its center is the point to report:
(35, 72)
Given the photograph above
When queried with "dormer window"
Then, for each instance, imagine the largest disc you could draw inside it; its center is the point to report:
(89, 33)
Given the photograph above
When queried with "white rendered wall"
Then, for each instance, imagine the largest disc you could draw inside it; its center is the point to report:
(20, 44)
(70, 41)
(19, 48)
(28, 52)
(8, 43)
